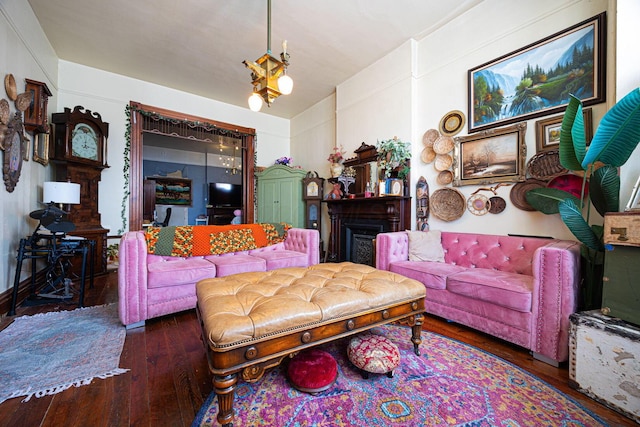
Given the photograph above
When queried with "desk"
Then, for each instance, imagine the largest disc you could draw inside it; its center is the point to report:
(56, 250)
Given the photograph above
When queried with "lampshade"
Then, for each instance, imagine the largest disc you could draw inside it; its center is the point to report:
(61, 192)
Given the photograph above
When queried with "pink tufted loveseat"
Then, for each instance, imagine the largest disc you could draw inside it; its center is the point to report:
(519, 289)
(153, 285)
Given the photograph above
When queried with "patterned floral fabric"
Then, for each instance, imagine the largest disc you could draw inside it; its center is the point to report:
(200, 240)
(373, 353)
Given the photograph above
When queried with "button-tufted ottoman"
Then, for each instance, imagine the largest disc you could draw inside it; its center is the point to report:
(252, 321)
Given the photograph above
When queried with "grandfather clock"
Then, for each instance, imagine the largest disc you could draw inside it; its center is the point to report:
(79, 155)
(312, 192)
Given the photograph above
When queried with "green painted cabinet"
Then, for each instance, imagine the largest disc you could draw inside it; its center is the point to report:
(280, 195)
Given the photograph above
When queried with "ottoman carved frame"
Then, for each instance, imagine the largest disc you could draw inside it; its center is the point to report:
(252, 357)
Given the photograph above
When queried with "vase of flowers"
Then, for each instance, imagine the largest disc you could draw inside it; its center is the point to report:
(285, 161)
(336, 158)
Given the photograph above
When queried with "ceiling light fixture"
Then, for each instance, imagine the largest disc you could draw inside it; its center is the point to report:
(268, 74)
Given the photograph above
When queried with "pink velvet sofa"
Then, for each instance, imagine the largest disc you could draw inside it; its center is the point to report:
(519, 289)
(152, 285)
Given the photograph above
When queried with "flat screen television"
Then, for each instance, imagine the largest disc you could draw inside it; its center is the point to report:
(222, 194)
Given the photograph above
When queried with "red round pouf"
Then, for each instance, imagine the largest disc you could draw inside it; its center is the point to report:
(373, 353)
(312, 371)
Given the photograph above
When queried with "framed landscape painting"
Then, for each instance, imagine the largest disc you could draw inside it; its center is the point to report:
(538, 79)
(491, 156)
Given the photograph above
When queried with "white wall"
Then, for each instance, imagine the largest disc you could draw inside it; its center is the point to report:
(25, 53)
(109, 94)
(488, 31)
(376, 104)
(312, 139)
(628, 79)
(408, 91)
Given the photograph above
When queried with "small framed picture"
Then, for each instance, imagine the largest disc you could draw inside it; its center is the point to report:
(393, 187)
(634, 201)
(41, 147)
(548, 131)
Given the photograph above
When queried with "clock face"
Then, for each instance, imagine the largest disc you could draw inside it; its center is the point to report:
(312, 189)
(84, 142)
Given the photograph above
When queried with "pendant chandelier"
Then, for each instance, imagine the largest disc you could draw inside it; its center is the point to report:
(269, 74)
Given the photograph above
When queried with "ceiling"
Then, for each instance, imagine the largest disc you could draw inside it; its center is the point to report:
(197, 46)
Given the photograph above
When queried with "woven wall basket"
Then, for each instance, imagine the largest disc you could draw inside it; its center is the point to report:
(545, 165)
(447, 204)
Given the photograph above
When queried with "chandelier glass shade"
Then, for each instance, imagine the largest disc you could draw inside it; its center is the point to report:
(268, 73)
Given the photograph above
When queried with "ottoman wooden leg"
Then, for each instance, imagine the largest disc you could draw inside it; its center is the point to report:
(224, 386)
(416, 336)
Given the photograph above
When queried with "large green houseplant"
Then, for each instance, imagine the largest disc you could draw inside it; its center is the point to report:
(614, 141)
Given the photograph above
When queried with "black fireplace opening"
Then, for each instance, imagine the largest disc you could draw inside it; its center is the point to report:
(358, 240)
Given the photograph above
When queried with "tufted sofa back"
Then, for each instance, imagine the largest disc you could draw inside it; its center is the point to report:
(505, 253)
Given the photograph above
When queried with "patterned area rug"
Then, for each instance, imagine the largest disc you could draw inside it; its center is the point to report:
(48, 353)
(451, 383)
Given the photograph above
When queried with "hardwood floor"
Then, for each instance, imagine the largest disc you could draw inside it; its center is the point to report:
(168, 379)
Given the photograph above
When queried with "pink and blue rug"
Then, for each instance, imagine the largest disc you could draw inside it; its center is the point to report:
(450, 384)
(47, 353)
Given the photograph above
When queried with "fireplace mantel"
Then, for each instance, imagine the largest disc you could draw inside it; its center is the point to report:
(372, 215)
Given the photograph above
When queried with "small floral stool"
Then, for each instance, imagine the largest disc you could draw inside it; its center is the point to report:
(373, 353)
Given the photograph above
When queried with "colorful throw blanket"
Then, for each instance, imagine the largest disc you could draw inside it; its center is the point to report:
(200, 240)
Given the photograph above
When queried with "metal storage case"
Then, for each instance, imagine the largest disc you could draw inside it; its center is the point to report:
(604, 361)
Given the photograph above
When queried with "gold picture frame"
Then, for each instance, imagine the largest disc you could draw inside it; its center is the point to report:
(491, 156)
(41, 147)
(548, 131)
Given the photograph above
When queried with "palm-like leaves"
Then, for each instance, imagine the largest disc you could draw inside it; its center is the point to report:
(572, 217)
(604, 189)
(615, 139)
(568, 158)
(618, 133)
(546, 200)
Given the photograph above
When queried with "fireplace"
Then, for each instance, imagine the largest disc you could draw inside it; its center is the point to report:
(356, 222)
(358, 238)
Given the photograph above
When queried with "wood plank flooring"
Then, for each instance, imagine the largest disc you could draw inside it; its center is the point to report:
(168, 379)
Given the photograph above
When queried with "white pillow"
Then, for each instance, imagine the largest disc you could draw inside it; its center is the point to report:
(425, 246)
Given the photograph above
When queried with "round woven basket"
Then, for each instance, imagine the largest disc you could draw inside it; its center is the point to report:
(443, 162)
(10, 87)
(5, 111)
(445, 177)
(427, 155)
(545, 165)
(430, 137)
(443, 145)
(519, 192)
(23, 101)
(447, 204)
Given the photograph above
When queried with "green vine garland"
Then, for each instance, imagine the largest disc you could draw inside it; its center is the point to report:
(125, 170)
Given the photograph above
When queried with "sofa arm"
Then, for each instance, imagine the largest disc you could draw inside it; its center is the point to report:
(306, 241)
(132, 277)
(391, 247)
(556, 272)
